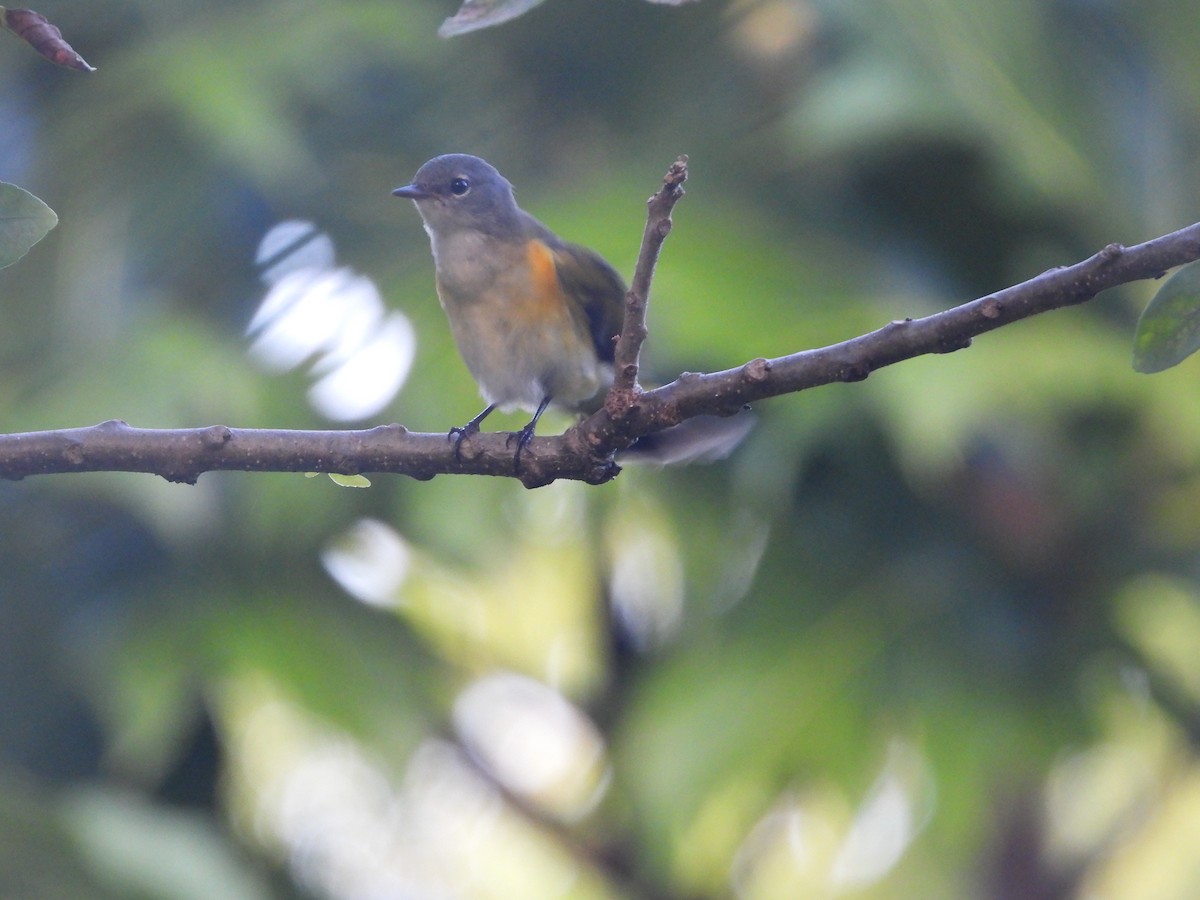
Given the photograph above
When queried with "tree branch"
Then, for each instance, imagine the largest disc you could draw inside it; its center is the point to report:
(627, 354)
(584, 452)
(183, 454)
(723, 393)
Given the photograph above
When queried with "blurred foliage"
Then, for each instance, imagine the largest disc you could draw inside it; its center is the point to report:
(935, 634)
(42, 36)
(1168, 332)
(24, 220)
(476, 14)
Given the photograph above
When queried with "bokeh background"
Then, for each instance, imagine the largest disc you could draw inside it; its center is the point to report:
(936, 634)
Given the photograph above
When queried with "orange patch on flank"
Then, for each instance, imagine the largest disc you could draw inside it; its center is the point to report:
(545, 298)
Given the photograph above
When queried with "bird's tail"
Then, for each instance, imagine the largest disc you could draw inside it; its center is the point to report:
(702, 439)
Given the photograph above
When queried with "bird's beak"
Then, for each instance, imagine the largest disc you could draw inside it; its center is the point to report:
(411, 192)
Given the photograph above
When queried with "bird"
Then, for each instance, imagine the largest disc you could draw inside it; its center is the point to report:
(535, 318)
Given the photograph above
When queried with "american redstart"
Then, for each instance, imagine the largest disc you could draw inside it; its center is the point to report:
(534, 317)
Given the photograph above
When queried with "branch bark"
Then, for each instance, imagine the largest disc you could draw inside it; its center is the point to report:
(723, 393)
(585, 452)
(627, 354)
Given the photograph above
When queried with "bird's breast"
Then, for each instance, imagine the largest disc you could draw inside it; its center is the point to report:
(467, 263)
(520, 335)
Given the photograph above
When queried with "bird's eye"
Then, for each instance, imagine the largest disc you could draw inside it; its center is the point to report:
(459, 186)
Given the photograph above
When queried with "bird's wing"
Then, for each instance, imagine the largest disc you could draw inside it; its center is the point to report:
(585, 276)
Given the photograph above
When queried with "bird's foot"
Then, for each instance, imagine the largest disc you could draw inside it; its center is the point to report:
(522, 437)
(460, 433)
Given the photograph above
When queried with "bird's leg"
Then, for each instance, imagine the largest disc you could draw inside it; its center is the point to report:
(460, 433)
(525, 435)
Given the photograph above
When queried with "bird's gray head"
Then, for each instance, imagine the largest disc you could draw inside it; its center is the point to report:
(458, 192)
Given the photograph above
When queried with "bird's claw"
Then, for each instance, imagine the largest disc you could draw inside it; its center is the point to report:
(522, 437)
(460, 433)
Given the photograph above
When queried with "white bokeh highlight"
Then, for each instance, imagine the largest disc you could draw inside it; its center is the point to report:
(331, 318)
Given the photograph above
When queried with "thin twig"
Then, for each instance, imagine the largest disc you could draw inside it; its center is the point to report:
(953, 329)
(626, 356)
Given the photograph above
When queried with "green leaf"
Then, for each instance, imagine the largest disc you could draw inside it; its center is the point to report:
(1169, 330)
(24, 220)
(354, 481)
